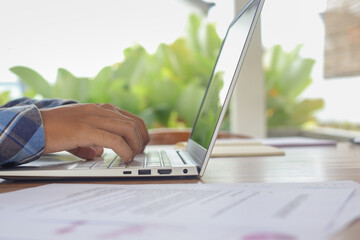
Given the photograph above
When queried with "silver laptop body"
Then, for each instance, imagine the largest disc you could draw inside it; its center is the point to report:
(165, 161)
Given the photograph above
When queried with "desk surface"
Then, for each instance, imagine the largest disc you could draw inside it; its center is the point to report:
(300, 164)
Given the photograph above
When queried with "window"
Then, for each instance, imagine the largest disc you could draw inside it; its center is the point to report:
(342, 39)
(311, 23)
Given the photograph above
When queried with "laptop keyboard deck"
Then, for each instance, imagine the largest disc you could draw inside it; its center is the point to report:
(152, 159)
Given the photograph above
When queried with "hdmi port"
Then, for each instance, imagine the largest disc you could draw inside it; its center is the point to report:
(164, 171)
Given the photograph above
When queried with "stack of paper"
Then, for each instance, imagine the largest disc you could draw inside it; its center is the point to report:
(179, 211)
(247, 147)
(240, 148)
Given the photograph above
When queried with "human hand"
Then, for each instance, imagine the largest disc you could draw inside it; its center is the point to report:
(85, 129)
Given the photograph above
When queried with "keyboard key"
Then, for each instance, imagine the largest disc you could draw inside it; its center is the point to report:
(136, 163)
(153, 154)
(140, 157)
(105, 162)
(175, 159)
(153, 162)
(165, 158)
(153, 159)
(117, 163)
(86, 164)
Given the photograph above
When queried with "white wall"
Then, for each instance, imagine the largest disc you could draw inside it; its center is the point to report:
(248, 100)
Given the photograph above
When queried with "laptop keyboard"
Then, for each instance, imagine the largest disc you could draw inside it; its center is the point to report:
(155, 159)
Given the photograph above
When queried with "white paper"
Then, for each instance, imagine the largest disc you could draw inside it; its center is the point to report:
(278, 141)
(177, 211)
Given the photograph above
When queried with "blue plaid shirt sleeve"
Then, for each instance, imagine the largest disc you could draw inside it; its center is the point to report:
(22, 137)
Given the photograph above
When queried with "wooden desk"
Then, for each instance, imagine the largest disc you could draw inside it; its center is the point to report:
(300, 164)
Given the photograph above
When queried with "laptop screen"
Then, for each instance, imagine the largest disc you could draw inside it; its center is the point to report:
(222, 76)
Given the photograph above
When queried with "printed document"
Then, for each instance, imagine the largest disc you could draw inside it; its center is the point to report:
(176, 211)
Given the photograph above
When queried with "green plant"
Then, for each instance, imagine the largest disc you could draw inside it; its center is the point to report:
(287, 75)
(164, 88)
(4, 97)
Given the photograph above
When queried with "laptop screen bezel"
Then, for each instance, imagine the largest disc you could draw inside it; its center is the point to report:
(198, 153)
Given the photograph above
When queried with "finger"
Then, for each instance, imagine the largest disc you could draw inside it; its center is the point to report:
(123, 127)
(84, 152)
(99, 150)
(114, 112)
(98, 137)
(140, 123)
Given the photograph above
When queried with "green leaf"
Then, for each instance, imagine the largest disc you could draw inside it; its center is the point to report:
(193, 30)
(124, 97)
(33, 80)
(70, 87)
(212, 42)
(287, 75)
(99, 86)
(164, 93)
(4, 97)
(133, 66)
(189, 102)
(304, 110)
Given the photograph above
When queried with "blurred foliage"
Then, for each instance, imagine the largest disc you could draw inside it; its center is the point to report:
(351, 126)
(210, 112)
(164, 88)
(287, 75)
(4, 97)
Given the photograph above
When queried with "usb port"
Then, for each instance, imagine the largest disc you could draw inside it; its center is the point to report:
(164, 171)
(145, 172)
(126, 172)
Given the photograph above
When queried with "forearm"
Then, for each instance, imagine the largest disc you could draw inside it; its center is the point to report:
(22, 136)
(82, 129)
(45, 103)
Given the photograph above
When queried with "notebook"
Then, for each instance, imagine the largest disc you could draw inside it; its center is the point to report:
(165, 162)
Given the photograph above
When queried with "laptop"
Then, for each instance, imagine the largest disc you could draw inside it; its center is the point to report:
(166, 161)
